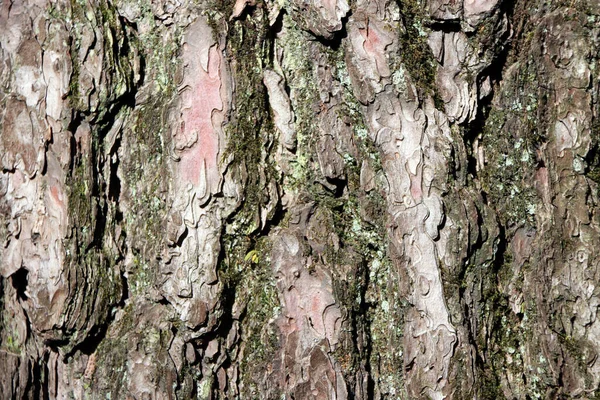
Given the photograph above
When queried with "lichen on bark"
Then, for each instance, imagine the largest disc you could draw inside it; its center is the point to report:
(291, 199)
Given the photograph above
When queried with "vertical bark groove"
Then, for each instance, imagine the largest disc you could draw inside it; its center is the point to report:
(286, 199)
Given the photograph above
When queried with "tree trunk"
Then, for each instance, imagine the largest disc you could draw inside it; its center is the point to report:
(299, 199)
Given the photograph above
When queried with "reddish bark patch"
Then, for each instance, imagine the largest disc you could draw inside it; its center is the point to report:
(374, 45)
(197, 136)
(57, 196)
(416, 189)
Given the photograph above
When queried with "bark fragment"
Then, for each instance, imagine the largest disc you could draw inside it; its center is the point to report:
(325, 199)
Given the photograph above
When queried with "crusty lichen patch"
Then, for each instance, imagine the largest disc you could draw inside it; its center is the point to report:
(511, 138)
(144, 191)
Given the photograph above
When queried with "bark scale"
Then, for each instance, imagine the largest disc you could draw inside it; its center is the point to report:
(326, 199)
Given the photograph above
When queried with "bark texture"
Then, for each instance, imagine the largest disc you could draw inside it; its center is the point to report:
(326, 199)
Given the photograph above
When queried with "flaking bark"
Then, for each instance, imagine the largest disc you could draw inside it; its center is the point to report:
(287, 199)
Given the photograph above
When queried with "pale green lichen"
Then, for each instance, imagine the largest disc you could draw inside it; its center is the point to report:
(508, 173)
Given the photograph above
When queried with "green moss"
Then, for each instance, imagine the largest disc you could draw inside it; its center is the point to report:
(159, 47)
(144, 171)
(593, 156)
(145, 186)
(245, 268)
(12, 345)
(90, 257)
(250, 132)
(112, 355)
(507, 341)
(260, 332)
(77, 18)
(511, 137)
(299, 71)
(370, 295)
(417, 56)
(515, 127)
(246, 274)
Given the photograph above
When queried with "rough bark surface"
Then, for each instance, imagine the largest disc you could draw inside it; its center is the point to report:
(323, 199)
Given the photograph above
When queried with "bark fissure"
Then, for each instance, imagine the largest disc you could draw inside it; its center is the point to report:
(288, 199)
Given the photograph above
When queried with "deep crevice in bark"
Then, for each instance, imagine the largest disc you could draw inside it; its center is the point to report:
(497, 289)
(19, 282)
(337, 39)
(446, 26)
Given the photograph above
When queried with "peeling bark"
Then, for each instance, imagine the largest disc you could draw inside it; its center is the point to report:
(291, 199)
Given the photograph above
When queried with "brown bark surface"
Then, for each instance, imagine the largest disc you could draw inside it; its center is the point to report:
(326, 199)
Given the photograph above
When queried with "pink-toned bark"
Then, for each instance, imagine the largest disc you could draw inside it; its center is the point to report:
(376, 41)
(310, 323)
(416, 189)
(196, 138)
(307, 303)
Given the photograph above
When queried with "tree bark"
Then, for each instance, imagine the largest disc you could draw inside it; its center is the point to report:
(299, 199)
